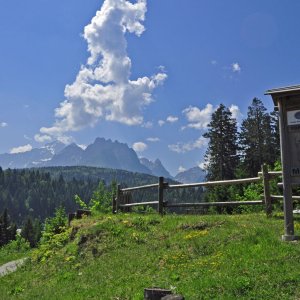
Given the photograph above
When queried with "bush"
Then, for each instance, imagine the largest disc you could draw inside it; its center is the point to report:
(55, 225)
(101, 200)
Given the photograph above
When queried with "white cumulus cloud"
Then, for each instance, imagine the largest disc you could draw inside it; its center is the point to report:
(172, 119)
(3, 124)
(235, 111)
(139, 146)
(199, 118)
(186, 147)
(21, 149)
(236, 68)
(161, 122)
(42, 138)
(103, 89)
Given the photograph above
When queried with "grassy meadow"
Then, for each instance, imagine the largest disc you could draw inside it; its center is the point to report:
(201, 257)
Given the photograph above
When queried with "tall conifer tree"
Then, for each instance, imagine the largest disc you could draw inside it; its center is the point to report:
(258, 140)
(222, 153)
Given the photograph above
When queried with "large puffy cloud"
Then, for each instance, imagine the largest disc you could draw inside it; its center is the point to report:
(103, 88)
(199, 118)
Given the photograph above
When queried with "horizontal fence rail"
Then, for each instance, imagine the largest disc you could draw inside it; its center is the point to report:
(227, 203)
(143, 187)
(271, 173)
(123, 199)
(213, 183)
(138, 204)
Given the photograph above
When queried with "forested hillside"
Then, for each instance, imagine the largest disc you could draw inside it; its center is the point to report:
(126, 178)
(38, 192)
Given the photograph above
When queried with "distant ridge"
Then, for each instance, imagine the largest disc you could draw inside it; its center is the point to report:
(35, 157)
(155, 167)
(192, 175)
(102, 153)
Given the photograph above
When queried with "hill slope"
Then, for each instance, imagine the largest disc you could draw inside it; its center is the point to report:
(207, 257)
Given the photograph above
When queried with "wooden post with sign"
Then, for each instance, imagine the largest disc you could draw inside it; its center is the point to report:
(287, 100)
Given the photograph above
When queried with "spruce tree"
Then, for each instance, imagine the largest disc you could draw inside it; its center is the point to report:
(258, 139)
(7, 230)
(222, 153)
(4, 223)
(28, 232)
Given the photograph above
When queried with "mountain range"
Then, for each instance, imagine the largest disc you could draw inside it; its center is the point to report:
(102, 153)
(195, 174)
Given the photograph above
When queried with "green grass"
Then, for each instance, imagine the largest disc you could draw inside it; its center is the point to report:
(200, 257)
(8, 253)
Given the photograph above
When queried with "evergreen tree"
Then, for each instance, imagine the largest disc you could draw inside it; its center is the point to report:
(222, 153)
(37, 228)
(28, 232)
(7, 230)
(4, 223)
(258, 139)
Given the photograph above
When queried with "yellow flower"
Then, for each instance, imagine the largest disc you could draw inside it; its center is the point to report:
(195, 234)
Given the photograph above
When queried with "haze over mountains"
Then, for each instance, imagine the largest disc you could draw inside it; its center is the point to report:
(102, 153)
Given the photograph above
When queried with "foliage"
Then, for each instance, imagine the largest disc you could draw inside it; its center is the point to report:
(19, 244)
(15, 249)
(80, 202)
(55, 225)
(101, 200)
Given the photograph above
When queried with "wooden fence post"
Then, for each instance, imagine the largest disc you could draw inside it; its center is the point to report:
(114, 204)
(117, 200)
(267, 194)
(161, 195)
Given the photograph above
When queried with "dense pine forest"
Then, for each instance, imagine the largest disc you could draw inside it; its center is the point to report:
(37, 193)
(33, 193)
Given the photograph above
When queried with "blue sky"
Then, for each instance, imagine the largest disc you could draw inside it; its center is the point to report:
(149, 73)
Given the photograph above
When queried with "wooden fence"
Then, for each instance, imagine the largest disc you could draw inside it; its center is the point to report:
(122, 201)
